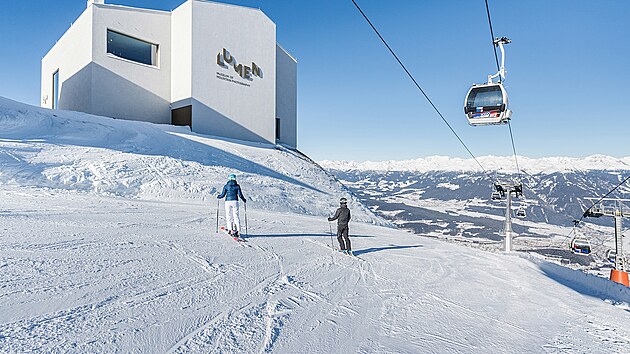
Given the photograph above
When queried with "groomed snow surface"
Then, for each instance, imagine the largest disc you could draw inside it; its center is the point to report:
(108, 244)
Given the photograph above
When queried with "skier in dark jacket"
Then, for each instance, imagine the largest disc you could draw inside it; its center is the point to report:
(342, 215)
(231, 192)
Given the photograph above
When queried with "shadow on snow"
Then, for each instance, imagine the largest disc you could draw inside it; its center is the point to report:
(386, 248)
(587, 284)
(303, 235)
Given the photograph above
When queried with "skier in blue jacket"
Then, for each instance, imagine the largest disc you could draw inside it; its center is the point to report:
(231, 192)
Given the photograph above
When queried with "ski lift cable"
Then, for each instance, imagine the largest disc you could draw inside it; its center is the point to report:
(546, 204)
(419, 88)
(496, 58)
(584, 214)
(518, 168)
(604, 197)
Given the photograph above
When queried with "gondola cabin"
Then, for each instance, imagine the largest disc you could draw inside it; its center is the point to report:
(611, 256)
(487, 104)
(581, 246)
(495, 196)
(521, 213)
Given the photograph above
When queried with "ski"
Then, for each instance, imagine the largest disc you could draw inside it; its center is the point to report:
(238, 238)
(351, 255)
(335, 249)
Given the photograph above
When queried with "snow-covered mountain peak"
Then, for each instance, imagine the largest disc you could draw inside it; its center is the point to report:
(503, 164)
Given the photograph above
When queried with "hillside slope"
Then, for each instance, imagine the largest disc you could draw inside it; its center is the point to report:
(108, 244)
(91, 154)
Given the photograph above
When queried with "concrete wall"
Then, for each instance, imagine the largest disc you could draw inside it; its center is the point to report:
(181, 53)
(70, 55)
(125, 89)
(240, 105)
(249, 36)
(286, 97)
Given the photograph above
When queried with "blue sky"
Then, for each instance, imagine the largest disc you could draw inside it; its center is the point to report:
(567, 72)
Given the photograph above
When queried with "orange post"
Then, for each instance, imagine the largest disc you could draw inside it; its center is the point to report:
(619, 276)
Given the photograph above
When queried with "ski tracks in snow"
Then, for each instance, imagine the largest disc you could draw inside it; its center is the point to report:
(578, 337)
(256, 315)
(256, 319)
(149, 275)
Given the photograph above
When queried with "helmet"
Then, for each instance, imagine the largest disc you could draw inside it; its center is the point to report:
(232, 177)
(343, 201)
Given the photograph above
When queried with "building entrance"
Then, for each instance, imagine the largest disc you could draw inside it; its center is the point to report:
(182, 116)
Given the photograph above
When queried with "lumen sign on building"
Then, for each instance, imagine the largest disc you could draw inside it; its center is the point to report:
(212, 66)
(246, 72)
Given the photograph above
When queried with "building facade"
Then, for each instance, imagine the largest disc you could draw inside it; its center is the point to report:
(212, 66)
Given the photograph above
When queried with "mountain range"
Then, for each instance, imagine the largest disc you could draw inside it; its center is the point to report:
(451, 197)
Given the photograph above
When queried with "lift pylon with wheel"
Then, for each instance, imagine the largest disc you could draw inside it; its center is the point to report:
(508, 190)
(614, 208)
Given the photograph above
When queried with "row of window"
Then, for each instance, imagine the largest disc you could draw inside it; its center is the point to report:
(121, 46)
(131, 48)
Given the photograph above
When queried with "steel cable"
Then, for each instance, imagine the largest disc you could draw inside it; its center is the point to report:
(419, 88)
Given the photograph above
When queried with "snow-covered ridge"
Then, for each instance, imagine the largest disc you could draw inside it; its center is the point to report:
(75, 151)
(490, 163)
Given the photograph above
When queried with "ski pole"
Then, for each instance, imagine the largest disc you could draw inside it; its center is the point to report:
(218, 205)
(246, 233)
(331, 235)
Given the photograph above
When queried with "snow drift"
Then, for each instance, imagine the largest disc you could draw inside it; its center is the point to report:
(81, 152)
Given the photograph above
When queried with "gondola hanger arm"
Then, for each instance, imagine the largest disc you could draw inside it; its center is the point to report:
(501, 73)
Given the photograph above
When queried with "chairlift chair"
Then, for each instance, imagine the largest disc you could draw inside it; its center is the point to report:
(518, 190)
(580, 246)
(495, 196)
(594, 212)
(520, 212)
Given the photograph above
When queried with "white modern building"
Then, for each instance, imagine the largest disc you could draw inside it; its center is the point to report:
(212, 66)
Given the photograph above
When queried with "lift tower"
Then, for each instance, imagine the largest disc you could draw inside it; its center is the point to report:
(507, 190)
(615, 208)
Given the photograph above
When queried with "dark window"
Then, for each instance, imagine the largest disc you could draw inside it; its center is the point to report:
(55, 89)
(277, 128)
(130, 48)
(489, 96)
(182, 116)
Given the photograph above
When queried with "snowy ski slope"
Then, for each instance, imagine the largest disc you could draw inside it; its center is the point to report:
(108, 244)
(104, 156)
